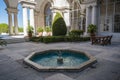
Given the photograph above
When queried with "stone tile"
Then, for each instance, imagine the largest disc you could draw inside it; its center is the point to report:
(108, 66)
(104, 71)
(3, 57)
(59, 77)
(31, 76)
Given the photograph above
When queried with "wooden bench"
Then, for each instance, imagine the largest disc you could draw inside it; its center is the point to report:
(103, 40)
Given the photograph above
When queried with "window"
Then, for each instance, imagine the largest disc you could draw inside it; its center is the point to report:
(117, 17)
(110, 16)
(48, 15)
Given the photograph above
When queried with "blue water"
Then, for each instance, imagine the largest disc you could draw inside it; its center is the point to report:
(49, 58)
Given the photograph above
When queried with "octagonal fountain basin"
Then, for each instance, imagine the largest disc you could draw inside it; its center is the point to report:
(51, 60)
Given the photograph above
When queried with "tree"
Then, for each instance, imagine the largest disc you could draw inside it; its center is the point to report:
(3, 28)
(20, 29)
(58, 26)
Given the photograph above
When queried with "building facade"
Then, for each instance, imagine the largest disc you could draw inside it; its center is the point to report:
(78, 14)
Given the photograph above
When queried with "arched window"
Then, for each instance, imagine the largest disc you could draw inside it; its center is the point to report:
(48, 15)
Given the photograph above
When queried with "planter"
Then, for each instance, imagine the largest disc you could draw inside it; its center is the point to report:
(92, 34)
(49, 33)
(40, 34)
(29, 35)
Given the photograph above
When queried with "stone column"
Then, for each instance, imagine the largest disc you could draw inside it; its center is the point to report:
(36, 20)
(88, 20)
(53, 14)
(66, 17)
(25, 20)
(94, 15)
(32, 22)
(16, 23)
(10, 23)
(82, 17)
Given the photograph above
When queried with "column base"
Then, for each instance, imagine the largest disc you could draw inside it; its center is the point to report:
(11, 34)
(86, 34)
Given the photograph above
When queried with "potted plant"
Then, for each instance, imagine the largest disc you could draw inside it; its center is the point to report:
(92, 29)
(48, 30)
(40, 31)
(30, 31)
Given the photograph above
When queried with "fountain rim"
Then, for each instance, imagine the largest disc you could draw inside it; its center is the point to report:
(39, 67)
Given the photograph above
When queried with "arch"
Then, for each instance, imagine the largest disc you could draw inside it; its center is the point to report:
(20, 18)
(3, 20)
(45, 4)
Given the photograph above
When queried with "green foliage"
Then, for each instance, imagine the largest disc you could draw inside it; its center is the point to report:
(37, 39)
(92, 28)
(48, 29)
(75, 33)
(20, 29)
(58, 26)
(3, 28)
(51, 39)
(39, 29)
(30, 29)
(3, 42)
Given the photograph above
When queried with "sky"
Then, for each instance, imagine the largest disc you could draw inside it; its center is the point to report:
(4, 15)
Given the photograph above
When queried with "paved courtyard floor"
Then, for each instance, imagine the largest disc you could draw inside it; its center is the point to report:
(13, 68)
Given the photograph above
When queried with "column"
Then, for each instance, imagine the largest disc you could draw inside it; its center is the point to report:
(88, 20)
(73, 18)
(82, 17)
(78, 18)
(67, 19)
(25, 20)
(32, 22)
(16, 23)
(94, 15)
(36, 20)
(10, 23)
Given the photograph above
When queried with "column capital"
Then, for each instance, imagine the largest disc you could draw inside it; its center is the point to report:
(94, 5)
(91, 4)
(28, 4)
(12, 10)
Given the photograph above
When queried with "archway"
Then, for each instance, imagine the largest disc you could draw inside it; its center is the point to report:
(20, 19)
(3, 19)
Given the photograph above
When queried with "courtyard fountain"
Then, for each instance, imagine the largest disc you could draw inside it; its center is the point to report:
(51, 60)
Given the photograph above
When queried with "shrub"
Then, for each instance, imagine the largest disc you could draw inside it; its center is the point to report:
(92, 28)
(39, 29)
(3, 42)
(30, 29)
(51, 39)
(58, 26)
(76, 33)
(48, 29)
(37, 39)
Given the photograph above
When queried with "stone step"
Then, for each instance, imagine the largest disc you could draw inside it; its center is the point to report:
(16, 40)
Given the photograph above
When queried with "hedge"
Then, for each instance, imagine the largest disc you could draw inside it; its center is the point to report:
(76, 33)
(52, 39)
